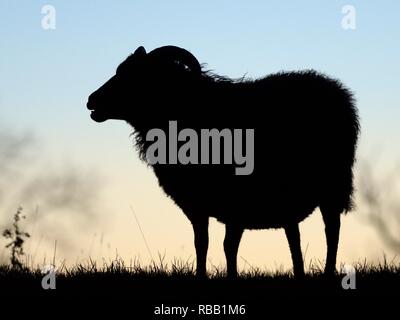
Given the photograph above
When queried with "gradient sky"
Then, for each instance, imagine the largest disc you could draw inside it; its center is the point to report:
(47, 75)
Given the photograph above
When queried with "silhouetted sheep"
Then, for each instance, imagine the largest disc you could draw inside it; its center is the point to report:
(305, 126)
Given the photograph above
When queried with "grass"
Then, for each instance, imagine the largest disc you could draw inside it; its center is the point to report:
(177, 282)
(160, 282)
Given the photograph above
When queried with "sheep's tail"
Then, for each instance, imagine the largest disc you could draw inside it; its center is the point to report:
(353, 127)
(339, 192)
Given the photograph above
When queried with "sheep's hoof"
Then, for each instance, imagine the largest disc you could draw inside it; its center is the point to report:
(201, 276)
(232, 276)
(330, 274)
(299, 274)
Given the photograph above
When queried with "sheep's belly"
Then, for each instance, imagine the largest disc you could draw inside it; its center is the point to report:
(258, 218)
(252, 202)
(250, 209)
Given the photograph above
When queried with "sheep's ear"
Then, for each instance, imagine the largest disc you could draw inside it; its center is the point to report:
(141, 51)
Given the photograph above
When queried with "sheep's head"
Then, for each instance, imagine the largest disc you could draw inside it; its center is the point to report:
(141, 80)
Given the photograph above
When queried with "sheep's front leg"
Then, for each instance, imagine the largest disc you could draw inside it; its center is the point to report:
(293, 236)
(233, 234)
(200, 228)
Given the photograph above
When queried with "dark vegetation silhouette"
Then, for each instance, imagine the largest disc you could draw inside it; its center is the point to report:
(176, 282)
(16, 236)
(306, 129)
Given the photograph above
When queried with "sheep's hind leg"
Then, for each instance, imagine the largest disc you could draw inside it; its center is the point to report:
(200, 228)
(233, 234)
(332, 228)
(293, 236)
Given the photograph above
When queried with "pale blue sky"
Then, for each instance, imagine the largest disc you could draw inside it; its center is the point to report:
(46, 76)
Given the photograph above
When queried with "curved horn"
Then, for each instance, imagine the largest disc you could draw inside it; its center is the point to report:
(178, 54)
